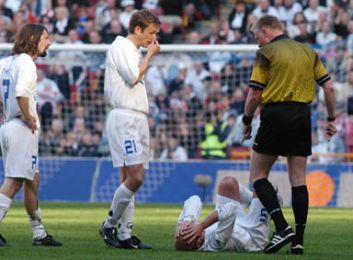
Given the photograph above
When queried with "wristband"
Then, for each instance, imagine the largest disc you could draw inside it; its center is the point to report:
(247, 120)
(331, 119)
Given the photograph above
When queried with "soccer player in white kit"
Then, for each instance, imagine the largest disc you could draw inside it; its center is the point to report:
(20, 131)
(127, 127)
(227, 228)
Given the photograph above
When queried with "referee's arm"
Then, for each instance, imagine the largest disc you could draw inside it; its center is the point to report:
(330, 98)
(252, 101)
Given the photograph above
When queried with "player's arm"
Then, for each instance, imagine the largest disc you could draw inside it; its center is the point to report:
(26, 78)
(192, 232)
(29, 120)
(153, 49)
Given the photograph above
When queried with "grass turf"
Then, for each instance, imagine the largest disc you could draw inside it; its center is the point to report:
(329, 234)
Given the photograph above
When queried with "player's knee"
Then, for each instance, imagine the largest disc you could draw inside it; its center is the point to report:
(137, 180)
(36, 181)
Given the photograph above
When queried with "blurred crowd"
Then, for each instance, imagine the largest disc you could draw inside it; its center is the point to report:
(196, 99)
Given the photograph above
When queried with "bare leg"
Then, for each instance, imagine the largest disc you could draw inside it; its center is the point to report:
(11, 186)
(8, 190)
(31, 205)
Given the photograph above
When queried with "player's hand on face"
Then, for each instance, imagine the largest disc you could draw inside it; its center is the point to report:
(192, 232)
(31, 122)
(330, 130)
(154, 47)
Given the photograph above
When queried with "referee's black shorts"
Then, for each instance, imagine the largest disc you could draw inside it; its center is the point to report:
(285, 129)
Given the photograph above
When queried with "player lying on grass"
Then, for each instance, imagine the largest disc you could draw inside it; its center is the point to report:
(227, 227)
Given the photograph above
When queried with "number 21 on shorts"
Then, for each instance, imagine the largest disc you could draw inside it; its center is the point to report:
(130, 146)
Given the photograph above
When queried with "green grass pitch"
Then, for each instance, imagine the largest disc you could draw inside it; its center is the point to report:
(329, 234)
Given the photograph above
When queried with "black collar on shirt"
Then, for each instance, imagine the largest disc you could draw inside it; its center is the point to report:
(279, 37)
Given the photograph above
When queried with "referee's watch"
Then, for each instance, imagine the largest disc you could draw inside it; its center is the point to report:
(247, 119)
(331, 118)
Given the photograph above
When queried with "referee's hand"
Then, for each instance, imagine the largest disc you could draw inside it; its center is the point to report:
(246, 132)
(330, 130)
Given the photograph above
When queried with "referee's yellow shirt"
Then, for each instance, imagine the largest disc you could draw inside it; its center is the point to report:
(286, 71)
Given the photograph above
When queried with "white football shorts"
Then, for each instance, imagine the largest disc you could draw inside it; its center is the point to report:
(129, 137)
(19, 149)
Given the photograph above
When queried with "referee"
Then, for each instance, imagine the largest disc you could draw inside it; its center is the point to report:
(283, 80)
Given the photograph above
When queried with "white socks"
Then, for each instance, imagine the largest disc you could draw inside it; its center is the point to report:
(121, 200)
(125, 223)
(35, 219)
(5, 203)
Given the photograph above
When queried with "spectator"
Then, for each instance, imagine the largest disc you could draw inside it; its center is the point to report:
(4, 29)
(177, 83)
(174, 151)
(312, 13)
(238, 16)
(128, 11)
(326, 36)
(293, 28)
(104, 12)
(304, 35)
(155, 80)
(50, 142)
(213, 36)
(340, 26)
(214, 142)
(196, 77)
(193, 37)
(49, 96)
(48, 23)
(86, 147)
(111, 30)
(349, 42)
(5, 12)
(264, 8)
(288, 10)
(60, 75)
(62, 24)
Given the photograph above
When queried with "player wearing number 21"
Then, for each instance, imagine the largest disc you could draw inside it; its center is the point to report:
(127, 127)
(20, 131)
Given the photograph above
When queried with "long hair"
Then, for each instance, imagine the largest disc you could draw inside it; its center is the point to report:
(27, 39)
(143, 19)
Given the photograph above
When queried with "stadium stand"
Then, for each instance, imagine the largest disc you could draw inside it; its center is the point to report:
(190, 92)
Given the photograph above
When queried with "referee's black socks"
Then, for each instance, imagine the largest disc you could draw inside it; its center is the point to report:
(268, 198)
(300, 204)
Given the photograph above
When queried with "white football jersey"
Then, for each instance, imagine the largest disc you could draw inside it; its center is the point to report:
(18, 79)
(121, 70)
(235, 230)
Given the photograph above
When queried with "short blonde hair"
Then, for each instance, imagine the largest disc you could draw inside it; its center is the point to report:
(268, 21)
